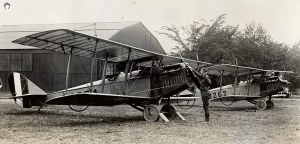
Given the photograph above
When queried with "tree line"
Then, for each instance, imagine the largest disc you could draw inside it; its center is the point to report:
(216, 42)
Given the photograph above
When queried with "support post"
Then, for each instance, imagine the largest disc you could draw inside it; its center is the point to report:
(248, 83)
(103, 75)
(221, 82)
(235, 84)
(92, 67)
(68, 71)
(235, 79)
(126, 71)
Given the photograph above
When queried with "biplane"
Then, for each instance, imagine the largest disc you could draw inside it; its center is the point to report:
(258, 88)
(146, 82)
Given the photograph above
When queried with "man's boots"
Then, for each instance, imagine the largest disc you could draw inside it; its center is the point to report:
(206, 117)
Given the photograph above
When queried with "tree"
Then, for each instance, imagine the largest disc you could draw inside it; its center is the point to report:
(211, 41)
(255, 48)
(294, 65)
(217, 43)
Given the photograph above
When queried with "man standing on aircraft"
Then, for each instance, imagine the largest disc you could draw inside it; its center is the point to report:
(205, 95)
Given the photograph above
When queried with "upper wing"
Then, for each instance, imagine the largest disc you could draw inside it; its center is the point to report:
(228, 69)
(96, 99)
(63, 40)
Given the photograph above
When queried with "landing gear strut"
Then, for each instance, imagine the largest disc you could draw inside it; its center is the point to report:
(166, 112)
(262, 104)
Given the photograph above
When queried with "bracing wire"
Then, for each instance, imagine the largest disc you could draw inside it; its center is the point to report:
(137, 79)
(84, 68)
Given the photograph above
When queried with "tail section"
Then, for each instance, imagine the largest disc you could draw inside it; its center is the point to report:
(22, 87)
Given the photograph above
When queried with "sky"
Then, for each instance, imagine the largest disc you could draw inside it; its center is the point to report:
(279, 17)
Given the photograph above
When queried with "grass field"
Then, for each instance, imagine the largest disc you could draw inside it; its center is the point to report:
(123, 124)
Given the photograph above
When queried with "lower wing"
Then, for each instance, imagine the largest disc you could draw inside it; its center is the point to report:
(237, 97)
(97, 99)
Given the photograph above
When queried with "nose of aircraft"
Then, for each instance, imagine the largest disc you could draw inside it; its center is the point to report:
(194, 76)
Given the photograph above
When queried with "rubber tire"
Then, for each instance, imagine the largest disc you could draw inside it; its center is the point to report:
(261, 105)
(169, 111)
(270, 104)
(151, 113)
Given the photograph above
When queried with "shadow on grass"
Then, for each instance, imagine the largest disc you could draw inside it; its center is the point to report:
(66, 119)
(111, 121)
(236, 108)
(227, 108)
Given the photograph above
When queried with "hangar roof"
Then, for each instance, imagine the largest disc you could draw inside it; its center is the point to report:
(130, 33)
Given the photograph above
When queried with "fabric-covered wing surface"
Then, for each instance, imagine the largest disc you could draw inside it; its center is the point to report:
(63, 40)
(228, 69)
(97, 99)
(237, 98)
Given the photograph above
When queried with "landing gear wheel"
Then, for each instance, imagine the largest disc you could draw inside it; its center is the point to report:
(169, 111)
(261, 105)
(270, 104)
(151, 113)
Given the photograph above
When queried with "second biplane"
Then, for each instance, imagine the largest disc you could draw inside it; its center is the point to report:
(258, 88)
(146, 83)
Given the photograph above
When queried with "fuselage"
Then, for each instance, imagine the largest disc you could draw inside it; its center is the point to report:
(149, 83)
(254, 88)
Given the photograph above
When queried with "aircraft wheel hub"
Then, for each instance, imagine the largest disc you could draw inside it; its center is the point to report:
(261, 105)
(151, 113)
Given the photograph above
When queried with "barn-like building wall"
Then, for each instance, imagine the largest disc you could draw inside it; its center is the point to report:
(48, 69)
(138, 36)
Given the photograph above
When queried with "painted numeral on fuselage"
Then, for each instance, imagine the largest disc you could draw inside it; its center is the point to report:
(272, 86)
(169, 82)
(218, 94)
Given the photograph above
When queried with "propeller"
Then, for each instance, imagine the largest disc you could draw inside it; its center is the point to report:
(194, 75)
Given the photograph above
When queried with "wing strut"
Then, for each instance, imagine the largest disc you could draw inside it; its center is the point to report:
(235, 78)
(92, 67)
(248, 83)
(68, 71)
(221, 81)
(103, 74)
(126, 71)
